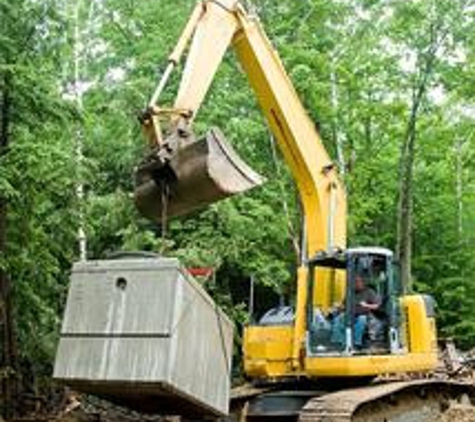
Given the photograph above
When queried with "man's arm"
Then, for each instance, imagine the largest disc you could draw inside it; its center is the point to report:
(371, 301)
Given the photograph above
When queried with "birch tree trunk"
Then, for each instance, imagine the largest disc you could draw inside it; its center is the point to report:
(81, 44)
(82, 239)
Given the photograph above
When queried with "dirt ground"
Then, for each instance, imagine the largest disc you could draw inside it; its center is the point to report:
(459, 413)
(77, 408)
(456, 413)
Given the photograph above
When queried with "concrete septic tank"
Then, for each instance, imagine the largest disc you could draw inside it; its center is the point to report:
(142, 333)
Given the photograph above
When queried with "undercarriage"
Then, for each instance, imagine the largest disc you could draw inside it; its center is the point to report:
(382, 401)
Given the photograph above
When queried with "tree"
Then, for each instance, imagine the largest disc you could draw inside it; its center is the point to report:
(429, 38)
(34, 184)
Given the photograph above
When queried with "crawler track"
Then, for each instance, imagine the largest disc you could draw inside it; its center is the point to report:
(412, 401)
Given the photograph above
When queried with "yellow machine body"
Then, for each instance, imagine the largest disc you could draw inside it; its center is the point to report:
(268, 351)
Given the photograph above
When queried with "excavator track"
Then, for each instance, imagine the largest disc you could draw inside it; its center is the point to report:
(408, 401)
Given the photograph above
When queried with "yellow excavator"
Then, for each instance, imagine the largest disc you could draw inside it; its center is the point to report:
(302, 362)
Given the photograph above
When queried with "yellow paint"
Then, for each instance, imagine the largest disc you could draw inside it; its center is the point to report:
(421, 335)
(295, 134)
(300, 314)
(343, 366)
(357, 366)
(270, 349)
(329, 289)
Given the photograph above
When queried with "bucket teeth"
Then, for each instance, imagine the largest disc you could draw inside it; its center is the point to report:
(186, 173)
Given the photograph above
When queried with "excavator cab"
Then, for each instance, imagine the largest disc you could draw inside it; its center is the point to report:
(184, 173)
(398, 335)
(345, 327)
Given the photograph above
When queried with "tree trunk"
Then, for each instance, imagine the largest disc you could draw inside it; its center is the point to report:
(459, 187)
(82, 237)
(427, 62)
(406, 176)
(337, 135)
(8, 358)
(404, 241)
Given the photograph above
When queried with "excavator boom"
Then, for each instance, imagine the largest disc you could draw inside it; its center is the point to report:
(213, 27)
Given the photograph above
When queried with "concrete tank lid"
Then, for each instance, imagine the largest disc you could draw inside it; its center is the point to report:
(147, 264)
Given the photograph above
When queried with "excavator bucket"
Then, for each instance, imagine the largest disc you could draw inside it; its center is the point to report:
(186, 173)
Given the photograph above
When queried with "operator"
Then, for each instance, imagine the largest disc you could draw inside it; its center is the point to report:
(366, 301)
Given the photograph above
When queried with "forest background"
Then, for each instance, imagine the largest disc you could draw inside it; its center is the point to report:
(390, 85)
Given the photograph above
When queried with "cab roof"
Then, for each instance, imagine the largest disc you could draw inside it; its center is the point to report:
(370, 250)
(338, 259)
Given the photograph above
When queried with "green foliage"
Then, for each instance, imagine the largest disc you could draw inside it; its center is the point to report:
(36, 176)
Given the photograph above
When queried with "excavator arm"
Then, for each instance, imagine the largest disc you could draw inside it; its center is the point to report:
(165, 189)
(211, 29)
